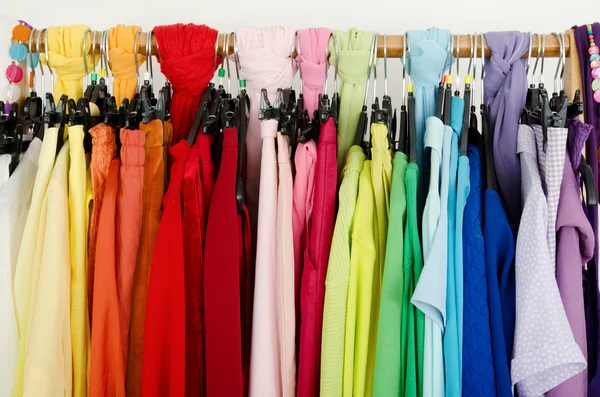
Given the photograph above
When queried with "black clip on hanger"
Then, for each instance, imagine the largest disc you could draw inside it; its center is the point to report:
(268, 111)
(63, 120)
(202, 107)
(288, 119)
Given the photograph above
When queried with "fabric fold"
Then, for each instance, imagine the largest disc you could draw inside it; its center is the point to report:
(121, 44)
(313, 64)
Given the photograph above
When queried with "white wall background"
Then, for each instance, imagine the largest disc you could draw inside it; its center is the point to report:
(383, 16)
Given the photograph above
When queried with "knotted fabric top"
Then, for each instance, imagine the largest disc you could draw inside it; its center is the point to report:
(354, 51)
(265, 62)
(187, 55)
(65, 51)
(505, 92)
(313, 65)
(121, 40)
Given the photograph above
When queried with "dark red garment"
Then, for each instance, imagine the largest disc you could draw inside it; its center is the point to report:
(198, 184)
(163, 370)
(316, 257)
(247, 278)
(187, 59)
(223, 280)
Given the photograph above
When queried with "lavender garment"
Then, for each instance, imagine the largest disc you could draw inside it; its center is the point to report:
(579, 133)
(505, 92)
(591, 155)
(575, 246)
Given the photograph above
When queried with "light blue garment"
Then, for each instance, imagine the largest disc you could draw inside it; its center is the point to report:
(430, 294)
(454, 288)
(427, 60)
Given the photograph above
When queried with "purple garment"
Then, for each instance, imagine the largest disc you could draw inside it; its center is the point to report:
(579, 133)
(575, 246)
(591, 155)
(505, 93)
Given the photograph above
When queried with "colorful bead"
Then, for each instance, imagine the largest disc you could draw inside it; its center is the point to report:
(595, 84)
(18, 52)
(21, 33)
(594, 57)
(14, 73)
(594, 64)
(596, 72)
(34, 58)
(597, 96)
(593, 50)
(11, 92)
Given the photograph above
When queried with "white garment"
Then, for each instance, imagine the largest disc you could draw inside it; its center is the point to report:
(15, 199)
(4, 164)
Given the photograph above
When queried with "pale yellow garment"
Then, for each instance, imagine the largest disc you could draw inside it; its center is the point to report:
(361, 312)
(78, 215)
(121, 40)
(48, 362)
(28, 263)
(572, 76)
(65, 51)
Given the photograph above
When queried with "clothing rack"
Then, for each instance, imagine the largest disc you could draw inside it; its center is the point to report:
(394, 43)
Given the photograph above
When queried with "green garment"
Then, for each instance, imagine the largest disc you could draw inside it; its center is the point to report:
(413, 320)
(336, 281)
(361, 314)
(389, 371)
(354, 49)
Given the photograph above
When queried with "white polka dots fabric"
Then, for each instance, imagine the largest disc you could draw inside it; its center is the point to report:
(545, 353)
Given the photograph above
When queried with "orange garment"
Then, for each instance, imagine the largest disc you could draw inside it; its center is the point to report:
(104, 150)
(168, 141)
(153, 191)
(107, 373)
(129, 223)
(121, 40)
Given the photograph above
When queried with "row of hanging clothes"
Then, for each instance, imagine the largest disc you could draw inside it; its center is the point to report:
(199, 242)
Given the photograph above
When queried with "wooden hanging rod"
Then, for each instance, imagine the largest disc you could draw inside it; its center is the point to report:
(395, 46)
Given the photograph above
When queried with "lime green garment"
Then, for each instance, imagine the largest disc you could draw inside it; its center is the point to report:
(361, 313)
(413, 320)
(336, 281)
(389, 373)
(354, 50)
(78, 215)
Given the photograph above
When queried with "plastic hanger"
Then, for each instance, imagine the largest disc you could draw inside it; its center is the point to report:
(411, 118)
(50, 116)
(473, 125)
(242, 113)
(211, 116)
(163, 106)
(386, 100)
(400, 143)
(288, 118)
(487, 132)
(63, 120)
(204, 102)
(464, 138)
(532, 101)
(304, 124)
(361, 132)
(331, 108)
(229, 105)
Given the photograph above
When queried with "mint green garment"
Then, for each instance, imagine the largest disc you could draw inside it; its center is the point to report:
(354, 49)
(412, 319)
(336, 281)
(389, 367)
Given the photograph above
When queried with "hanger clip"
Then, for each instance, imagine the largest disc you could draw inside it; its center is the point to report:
(268, 111)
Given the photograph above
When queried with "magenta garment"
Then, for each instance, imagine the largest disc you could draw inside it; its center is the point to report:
(313, 65)
(305, 160)
(265, 62)
(316, 259)
(575, 246)
(505, 92)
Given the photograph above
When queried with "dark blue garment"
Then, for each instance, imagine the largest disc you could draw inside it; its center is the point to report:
(500, 273)
(478, 378)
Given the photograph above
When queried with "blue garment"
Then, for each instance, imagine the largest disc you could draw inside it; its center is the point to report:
(427, 60)
(453, 335)
(478, 378)
(500, 272)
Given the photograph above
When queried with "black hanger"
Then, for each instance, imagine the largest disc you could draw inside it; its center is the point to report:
(288, 119)
(448, 100)
(488, 143)
(163, 106)
(412, 126)
(464, 138)
(439, 99)
(242, 115)
(63, 120)
(202, 107)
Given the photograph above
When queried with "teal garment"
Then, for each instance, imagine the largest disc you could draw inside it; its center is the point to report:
(454, 285)
(389, 364)
(427, 60)
(354, 51)
(412, 318)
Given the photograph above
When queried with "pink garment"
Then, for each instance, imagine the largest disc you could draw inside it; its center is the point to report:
(313, 64)
(285, 270)
(305, 160)
(265, 61)
(265, 380)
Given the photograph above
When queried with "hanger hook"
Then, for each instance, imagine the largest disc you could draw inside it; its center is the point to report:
(236, 56)
(37, 50)
(227, 37)
(149, 60)
(107, 55)
(337, 61)
(31, 60)
(48, 59)
(558, 65)
(471, 46)
(473, 59)
(299, 59)
(84, 53)
(541, 80)
(564, 59)
(537, 58)
(456, 81)
(529, 53)
(482, 40)
(385, 84)
(326, 68)
(215, 57)
(369, 68)
(404, 51)
(136, 42)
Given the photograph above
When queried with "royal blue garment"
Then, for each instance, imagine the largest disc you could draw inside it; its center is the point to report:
(427, 60)
(500, 272)
(592, 295)
(478, 379)
(505, 93)
(454, 281)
